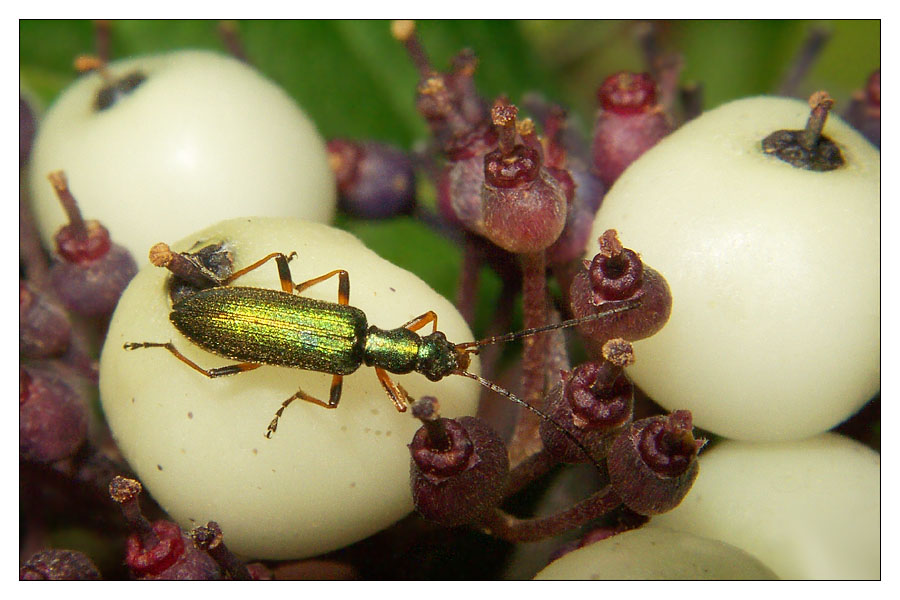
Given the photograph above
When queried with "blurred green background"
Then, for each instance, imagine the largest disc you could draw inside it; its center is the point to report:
(356, 81)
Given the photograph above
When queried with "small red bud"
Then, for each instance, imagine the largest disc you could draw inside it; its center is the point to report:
(53, 417)
(375, 180)
(524, 206)
(158, 550)
(627, 93)
(44, 328)
(172, 557)
(629, 124)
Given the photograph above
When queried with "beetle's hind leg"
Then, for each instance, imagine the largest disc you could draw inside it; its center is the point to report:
(334, 397)
(211, 373)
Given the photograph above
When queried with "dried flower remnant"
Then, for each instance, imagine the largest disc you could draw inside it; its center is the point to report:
(114, 89)
(209, 538)
(807, 148)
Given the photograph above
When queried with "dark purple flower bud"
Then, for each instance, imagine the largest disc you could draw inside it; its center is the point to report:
(375, 180)
(864, 112)
(44, 328)
(53, 417)
(458, 470)
(653, 463)
(617, 274)
(589, 192)
(594, 403)
(59, 565)
(462, 180)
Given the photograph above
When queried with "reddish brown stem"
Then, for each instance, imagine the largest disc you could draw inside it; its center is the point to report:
(231, 38)
(503, 116)
(209, 539)
(126, 491)
(526, 438)
(505, 526)
(405, 32)
(467, 287)
(70, 205)
(531, 468)
(805, 58)
(102, 39)
(665, 68)
(820, 103)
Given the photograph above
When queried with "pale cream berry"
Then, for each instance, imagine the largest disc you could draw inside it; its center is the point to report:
(774, 272)
(326, 478)
(202, 138)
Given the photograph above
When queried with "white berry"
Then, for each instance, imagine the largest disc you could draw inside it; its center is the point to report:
(655, 553)
(808, 509)
(204, 137)
(327, 478)
(774, 271)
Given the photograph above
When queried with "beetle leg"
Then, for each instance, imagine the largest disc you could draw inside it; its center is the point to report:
(421, 321)
(343, 284)
(211, 373)
(334, 397)
(396, 392)
(281, 261)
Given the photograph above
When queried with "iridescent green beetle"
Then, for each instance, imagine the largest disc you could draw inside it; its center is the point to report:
(259, 326)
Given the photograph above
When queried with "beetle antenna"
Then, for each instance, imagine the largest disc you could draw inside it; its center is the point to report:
(504, 392)
(499, 339)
